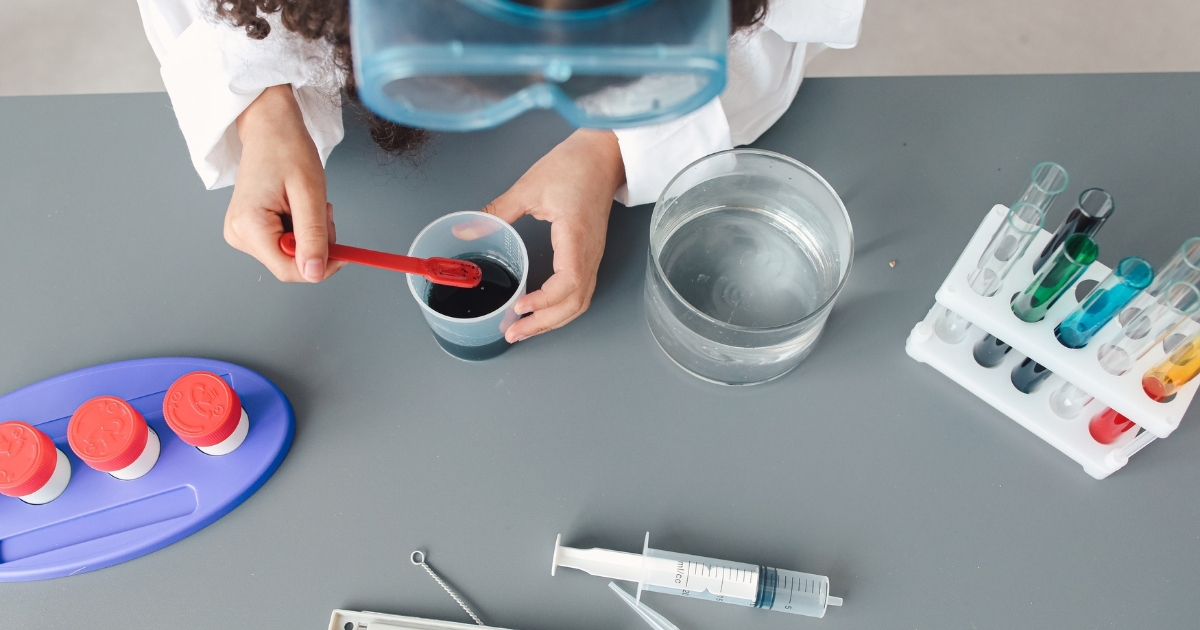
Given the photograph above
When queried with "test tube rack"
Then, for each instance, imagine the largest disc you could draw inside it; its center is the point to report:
(993, 385)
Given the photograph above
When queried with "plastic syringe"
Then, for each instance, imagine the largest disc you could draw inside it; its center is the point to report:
(698, 577)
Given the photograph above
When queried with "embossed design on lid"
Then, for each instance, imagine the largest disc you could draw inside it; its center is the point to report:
(107, 433)
(27, 458)
(202, 409)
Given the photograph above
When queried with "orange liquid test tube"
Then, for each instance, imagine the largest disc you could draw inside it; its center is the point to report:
(1182, 365)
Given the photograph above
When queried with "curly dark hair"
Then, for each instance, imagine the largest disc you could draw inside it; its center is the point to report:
(329, 20)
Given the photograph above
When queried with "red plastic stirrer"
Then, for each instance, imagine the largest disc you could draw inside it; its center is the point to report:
(448, 271)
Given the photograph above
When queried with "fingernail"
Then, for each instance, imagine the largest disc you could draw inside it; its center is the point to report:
(314, 271)
(520, 339)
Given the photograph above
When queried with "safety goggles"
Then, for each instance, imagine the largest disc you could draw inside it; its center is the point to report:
(459, 65)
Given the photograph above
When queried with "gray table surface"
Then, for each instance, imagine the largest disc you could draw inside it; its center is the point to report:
(925, 507)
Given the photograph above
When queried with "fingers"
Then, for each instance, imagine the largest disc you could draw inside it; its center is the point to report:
(257, 233)
(556, 289)
(507, 207)
(553, 316)
(311, 215)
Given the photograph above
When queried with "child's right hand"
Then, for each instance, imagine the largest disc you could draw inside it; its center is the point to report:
(280, 174)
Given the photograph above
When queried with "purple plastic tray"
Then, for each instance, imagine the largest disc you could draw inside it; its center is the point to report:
(100, 521)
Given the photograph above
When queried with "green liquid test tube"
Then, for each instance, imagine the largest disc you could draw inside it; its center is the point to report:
(1064, 268)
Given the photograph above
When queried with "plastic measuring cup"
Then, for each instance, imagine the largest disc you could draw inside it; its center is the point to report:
(748, 251)
(471, 236)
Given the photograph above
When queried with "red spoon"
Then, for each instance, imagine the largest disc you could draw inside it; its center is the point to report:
(448, 271)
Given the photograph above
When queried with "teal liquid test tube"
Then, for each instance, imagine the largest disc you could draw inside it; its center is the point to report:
(1127, 280)
(1064, 268)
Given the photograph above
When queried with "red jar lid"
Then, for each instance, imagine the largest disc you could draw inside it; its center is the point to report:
(107, 433)
(27, 458)
(202, 409)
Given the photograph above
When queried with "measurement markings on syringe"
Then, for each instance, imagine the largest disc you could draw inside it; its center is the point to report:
(685, 570)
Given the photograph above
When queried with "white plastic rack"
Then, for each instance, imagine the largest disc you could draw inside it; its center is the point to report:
(1080, 367)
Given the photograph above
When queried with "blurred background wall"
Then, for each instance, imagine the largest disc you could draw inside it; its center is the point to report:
(91, 46)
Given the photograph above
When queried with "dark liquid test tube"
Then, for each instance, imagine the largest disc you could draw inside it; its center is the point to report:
(990, 351)
(1094, 207)
(1029, 376)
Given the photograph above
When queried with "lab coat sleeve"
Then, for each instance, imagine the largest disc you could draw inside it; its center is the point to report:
(765, 68)
(653, 154)
(834, 23)
(213, 71)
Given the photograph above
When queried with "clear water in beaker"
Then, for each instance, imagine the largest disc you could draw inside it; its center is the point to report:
(748, 250)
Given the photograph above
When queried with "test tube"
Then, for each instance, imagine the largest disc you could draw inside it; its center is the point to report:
(1108, 425)
(1184, 266)
(1175, 304)
(990, 351)
(1070, 261)
(1094, 207)
(1182, 365)
(1067, 401)
(950, 326)
(1126, 281)
(1029, 375)
(1008, 244)
(1047, 181)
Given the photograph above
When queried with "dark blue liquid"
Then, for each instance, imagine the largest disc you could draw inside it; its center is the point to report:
(990, 351)
(497, 286)
(1029, 376)
(474, 353)
(495, 289)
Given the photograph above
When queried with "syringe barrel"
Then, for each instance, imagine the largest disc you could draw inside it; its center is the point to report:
(737, 583)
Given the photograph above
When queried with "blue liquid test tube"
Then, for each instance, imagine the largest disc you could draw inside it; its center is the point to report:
(1126, 281)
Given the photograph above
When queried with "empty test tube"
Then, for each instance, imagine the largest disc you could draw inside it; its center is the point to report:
(1126, 281)
(1029, 375)
(1070, 261)
(1184, 266)
(1067, 401)
(1047, 181)
(1007, 246)
(1182, 365)
(1175, 304)
(1094, 207)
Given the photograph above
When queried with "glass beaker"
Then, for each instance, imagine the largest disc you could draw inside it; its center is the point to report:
(482, 239)
(748, 251)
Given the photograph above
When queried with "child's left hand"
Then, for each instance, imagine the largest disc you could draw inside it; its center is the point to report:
(572, 187)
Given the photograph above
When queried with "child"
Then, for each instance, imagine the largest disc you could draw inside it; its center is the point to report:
(254, 84)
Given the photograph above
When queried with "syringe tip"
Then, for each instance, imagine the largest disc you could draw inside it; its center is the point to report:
(833, 601)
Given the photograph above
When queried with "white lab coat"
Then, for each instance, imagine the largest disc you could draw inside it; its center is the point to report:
(212, 72)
